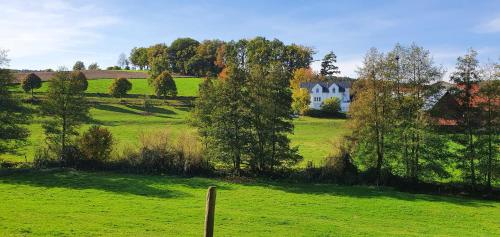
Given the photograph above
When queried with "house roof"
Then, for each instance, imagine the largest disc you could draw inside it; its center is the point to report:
(325, 85)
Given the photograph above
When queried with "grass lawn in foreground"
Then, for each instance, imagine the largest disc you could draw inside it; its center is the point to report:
(71, 203)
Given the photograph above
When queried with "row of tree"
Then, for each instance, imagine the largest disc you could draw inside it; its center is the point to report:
(394, 131)
(189, 57)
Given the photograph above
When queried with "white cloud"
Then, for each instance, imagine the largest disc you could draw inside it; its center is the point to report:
(491, 26)
(35, 28)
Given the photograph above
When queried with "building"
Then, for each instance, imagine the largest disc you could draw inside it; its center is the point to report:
(320, 91)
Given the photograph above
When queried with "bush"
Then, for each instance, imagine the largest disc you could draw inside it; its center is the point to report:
(158, 153)
(120, 87)
(331, 106)
(31, 82)
(80, 80)
(96, 143)
(338, 164)
(164, 85)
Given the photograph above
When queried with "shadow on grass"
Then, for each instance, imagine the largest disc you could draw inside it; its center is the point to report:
(142, 185)
(366, 192)
(154, 110)
(116, 109)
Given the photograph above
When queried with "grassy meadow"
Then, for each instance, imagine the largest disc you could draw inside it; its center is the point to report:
(72, 203)
(127, 121)
(186, 86)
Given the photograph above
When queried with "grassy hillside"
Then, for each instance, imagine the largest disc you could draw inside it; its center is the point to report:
(126, 122)
(78, 203)
(186, 86)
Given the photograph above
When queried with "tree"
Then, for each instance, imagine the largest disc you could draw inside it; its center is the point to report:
(300, 101)
(67, 109)
(159, 60)
(244, 118)
(298, 56)
(120, 87)
(203, 63)
(467, 78)
(164, 85)
(328, 67)
(490, 111)
(94, 66)
(139, 57)
(12, 115)
(80, 80)
(96, 143)
(331, 106)
(79, 65)
(301, 97)
(180, 52)
(414, 78)
(123, 61)
(31, 82)
(372, 112)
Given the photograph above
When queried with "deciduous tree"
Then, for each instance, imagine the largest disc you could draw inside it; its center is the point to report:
(120, 87)
(66, 109)
(12, 114)
(164, 85)
(30, 83)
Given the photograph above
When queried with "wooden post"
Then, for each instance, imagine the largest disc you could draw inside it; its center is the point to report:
(209, 212)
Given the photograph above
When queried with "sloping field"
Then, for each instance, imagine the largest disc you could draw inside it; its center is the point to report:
(90, 74)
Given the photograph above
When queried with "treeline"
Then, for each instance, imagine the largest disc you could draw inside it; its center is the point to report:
(188, 56)
(394, 133)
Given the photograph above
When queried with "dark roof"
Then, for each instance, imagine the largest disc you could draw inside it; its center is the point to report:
(325, 85)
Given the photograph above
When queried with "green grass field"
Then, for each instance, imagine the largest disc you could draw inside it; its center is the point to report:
(70, 203)
(126, 122)
(185, 86)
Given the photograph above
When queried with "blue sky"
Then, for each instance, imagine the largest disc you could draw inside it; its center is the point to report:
(51, 33)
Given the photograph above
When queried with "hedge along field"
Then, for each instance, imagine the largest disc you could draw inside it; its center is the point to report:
(186, 86)
(72, 203)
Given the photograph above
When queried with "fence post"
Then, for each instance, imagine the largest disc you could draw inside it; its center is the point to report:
(209, 212)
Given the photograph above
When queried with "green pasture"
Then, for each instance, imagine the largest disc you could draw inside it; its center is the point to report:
(71, 203)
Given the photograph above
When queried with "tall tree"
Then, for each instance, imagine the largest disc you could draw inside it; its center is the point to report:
(66, 109)
(466, 77)
(372, 112)
(490, 111)
(12, 115)
(158, 59)
(414, 78)
(328, 67)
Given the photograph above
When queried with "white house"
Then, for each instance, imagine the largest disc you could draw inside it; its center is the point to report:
(320, 91)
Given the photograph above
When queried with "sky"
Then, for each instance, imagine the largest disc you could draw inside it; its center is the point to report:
(42, 34)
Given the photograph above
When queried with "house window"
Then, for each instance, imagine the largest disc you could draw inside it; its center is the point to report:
(333, 89)
(317, 99)
(317, 90)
